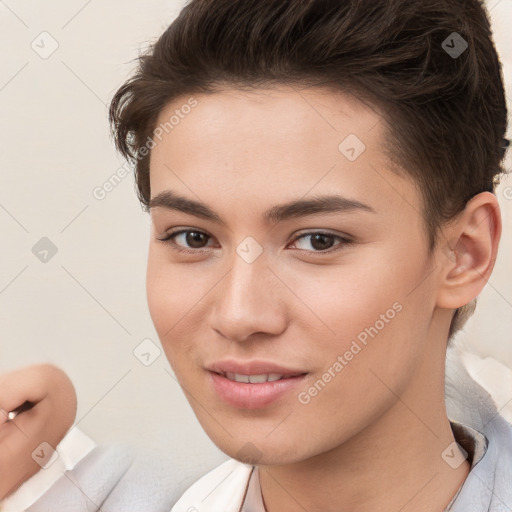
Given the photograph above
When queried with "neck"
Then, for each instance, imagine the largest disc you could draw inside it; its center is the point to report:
(395, 463)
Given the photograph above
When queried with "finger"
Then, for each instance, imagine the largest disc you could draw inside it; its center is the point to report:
(19, 438)
(27, 384)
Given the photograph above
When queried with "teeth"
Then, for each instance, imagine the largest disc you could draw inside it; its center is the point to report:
(256, 379)
(253, 379)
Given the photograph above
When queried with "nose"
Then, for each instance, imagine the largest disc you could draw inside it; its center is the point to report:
(249, 300)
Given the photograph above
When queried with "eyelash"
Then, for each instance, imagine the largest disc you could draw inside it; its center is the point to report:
(169, 240)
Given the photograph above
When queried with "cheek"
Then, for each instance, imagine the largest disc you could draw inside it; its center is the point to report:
(369, 343)
(171, 294)
(172, 290)
(345, 299)
(373, 309)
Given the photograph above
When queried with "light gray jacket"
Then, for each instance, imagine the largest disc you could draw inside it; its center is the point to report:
(488, 487)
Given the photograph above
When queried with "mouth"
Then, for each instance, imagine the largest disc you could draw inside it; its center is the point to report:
(253, 385)
(256, 378)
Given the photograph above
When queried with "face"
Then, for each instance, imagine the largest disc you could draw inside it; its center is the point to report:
(288, 274)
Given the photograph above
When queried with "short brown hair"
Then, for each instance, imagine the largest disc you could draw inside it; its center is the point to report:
(445, 112)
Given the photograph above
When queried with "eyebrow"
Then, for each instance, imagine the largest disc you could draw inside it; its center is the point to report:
(292, 209)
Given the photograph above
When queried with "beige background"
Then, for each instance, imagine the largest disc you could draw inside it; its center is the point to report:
(85, 309)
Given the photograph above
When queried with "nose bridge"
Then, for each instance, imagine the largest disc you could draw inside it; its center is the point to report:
(248, 300)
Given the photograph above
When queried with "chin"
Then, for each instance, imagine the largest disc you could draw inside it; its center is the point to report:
(261, 451)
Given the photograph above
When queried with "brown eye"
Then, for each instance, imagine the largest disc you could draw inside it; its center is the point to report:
(321, 242)
(195, 239)
(186, 240)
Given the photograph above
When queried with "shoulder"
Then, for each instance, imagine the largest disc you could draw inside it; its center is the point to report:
(221, 490)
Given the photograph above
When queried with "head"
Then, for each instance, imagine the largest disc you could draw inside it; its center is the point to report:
(338, 195)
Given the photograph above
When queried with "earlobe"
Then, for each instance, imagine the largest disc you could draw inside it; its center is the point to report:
(468, 258)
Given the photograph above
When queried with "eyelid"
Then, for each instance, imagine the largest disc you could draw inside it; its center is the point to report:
(320, 231)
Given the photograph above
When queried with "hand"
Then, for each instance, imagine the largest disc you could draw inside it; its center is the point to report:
(45, 399)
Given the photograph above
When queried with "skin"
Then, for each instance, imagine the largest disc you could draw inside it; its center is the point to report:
(53, 399)
(372, 439)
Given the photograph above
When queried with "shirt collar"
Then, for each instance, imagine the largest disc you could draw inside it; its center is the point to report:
(474, 443)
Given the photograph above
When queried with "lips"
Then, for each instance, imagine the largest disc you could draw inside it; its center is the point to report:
(254, 384)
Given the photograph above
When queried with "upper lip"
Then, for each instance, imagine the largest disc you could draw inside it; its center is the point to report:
(251, 368)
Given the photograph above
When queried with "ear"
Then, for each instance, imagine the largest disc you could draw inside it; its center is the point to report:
(468, 250)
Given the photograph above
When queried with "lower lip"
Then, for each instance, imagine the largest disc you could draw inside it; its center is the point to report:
(253, 396)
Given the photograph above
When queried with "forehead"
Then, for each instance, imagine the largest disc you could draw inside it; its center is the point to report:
(282, 114)
(276, 144)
